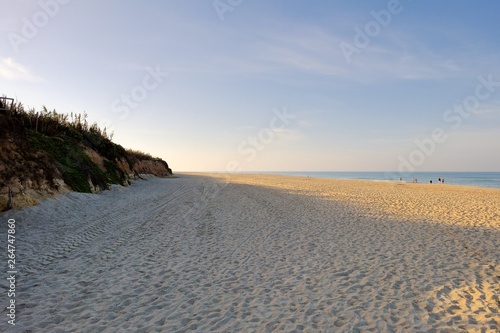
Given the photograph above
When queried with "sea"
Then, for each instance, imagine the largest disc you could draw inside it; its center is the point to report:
(481, 179)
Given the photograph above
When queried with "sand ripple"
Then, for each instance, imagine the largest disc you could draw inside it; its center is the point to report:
(260, 254)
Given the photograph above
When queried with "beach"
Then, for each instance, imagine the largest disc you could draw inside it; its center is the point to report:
(258, 253)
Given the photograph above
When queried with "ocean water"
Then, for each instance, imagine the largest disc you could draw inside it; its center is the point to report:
(482, 179)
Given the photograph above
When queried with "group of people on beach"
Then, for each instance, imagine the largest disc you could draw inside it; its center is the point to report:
(415, 180)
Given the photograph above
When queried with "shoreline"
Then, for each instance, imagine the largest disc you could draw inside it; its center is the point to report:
(403, 200)
(389, 181)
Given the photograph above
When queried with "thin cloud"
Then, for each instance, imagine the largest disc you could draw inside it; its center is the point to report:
(489, 110)
(394, 55)
(314, 51)
(14, 71)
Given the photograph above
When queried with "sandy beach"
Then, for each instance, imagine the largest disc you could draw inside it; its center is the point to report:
(258, 253)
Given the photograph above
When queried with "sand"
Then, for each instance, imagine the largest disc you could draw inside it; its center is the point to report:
(255, 253)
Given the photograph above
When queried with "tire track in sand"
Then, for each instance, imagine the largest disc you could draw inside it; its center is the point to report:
(97, 231)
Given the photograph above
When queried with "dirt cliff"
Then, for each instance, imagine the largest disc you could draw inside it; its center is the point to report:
(44, 154)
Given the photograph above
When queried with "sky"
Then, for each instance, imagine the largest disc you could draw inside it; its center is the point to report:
(240, 85)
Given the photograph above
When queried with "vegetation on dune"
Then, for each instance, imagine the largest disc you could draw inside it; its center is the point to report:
(75, 165)
(42, 146)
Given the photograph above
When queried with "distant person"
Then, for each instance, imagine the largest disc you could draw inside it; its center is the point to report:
(431, 181)
(442, 180)
(439, 180)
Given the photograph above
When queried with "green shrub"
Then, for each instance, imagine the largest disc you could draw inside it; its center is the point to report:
(77, 168)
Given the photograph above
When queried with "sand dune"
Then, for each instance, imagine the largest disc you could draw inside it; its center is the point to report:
(260, 253)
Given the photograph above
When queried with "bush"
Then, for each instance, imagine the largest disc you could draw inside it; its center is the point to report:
(49, 144)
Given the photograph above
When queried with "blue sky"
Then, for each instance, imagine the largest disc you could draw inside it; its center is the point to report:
(199, 83)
